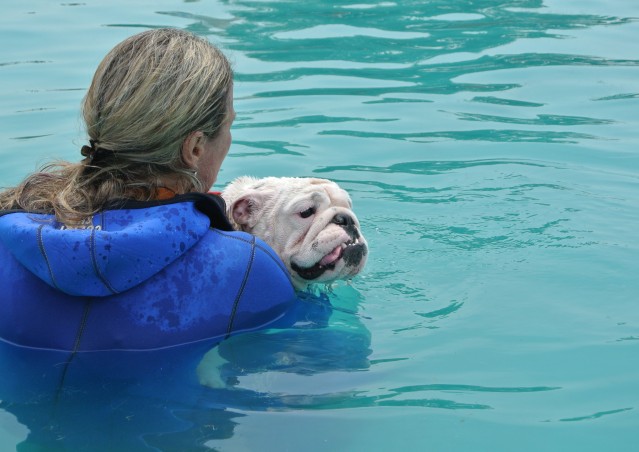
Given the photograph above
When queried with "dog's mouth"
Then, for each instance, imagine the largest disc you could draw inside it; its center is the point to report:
(352, 252)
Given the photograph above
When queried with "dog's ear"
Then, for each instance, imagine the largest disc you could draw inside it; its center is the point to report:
(246, 210)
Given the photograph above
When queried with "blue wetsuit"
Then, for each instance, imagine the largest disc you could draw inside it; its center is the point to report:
(145, 276)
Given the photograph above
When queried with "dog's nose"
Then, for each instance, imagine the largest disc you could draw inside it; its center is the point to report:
(348, 223)
(343, 220)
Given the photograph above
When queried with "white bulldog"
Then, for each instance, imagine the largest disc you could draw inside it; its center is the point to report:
(308, 222)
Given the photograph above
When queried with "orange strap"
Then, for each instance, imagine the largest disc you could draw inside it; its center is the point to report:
(162, 193)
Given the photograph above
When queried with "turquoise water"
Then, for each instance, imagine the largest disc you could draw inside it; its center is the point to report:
(490, 148)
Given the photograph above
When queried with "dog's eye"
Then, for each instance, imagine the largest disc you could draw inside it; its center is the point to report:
(308, 212)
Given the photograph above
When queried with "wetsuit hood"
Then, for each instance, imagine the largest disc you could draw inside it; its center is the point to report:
(120, 249)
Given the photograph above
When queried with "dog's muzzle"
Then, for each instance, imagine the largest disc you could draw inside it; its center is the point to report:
(352, 251)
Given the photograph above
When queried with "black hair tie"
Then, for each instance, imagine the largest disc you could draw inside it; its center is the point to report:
(89, 151)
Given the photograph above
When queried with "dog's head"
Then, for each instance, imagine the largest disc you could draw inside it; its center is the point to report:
(308, 222)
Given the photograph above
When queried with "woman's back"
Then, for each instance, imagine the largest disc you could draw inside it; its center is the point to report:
(147, 277)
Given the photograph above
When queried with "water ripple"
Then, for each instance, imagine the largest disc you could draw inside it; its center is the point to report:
(474, 388)
(426, 77)
(31, 137)
(540, 120)
(345, 31)
(595, 415)
(13, 63)
(443, 312)
(493, 135)
(502, 101)
(430, 167)
(274, 147)
(619, 97)
(359, 399)
(315, 119)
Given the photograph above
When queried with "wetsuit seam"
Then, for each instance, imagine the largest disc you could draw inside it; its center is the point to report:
(96, 269)
(44, 255)
(240, 292)
(76, 347)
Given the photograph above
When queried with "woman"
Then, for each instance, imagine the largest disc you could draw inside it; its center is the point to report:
(125, 250)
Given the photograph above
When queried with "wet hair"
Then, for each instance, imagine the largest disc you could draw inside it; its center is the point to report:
(147, 95)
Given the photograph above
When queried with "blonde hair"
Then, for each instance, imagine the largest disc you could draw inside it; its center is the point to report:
(147, 95)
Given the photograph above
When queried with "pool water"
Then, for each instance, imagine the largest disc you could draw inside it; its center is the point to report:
(491, 151)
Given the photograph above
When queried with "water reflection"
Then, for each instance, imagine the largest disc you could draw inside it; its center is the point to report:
(322, 339)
